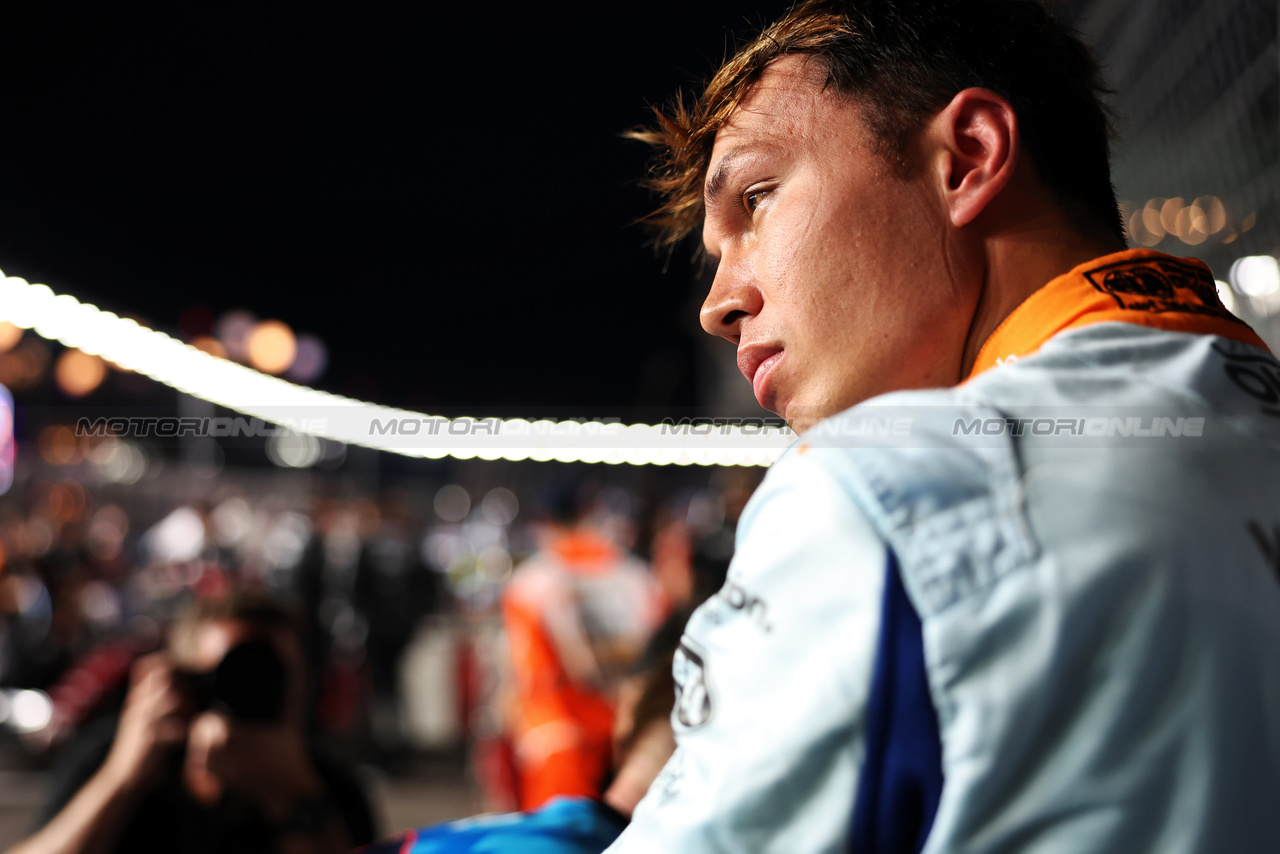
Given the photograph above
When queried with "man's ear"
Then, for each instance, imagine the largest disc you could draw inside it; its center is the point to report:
(976, 144)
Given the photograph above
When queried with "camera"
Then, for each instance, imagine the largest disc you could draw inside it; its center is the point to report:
(247, 685)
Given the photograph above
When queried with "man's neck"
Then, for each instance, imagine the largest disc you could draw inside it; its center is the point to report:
(1020, 261)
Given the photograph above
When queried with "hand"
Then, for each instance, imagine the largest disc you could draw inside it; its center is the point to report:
(266, 764)
(152, 725)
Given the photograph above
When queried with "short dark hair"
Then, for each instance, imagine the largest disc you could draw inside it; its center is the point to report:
(905, 60)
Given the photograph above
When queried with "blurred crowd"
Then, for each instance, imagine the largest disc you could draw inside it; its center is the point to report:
(462, 616)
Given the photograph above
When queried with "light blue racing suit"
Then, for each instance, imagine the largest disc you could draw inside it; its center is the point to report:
(1038, 612)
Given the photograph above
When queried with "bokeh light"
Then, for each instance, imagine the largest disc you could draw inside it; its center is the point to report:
(58, 446)
(272, 347)
(233, 331)
(10, 335)
(77, 373)
(107, 530)
(24, 366)
(210, 345)
(500, 506)
(452, 503)
(1215, 213)
(131, 346)
(311, 360)
(118, 461)
(1193, 224)
(30, 711)
(1189, 226)
(1169, 214)
(67, 501)
(294, 450)
(1256, 275)
(1152, 223)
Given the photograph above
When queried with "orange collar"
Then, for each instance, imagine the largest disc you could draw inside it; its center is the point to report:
(1139, 286)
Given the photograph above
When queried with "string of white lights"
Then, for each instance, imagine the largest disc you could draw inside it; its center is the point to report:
(308, 411)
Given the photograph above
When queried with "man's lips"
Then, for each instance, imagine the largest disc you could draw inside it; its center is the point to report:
(757, 362)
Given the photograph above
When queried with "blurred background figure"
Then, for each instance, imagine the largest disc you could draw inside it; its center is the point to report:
(577, 614)
(210, 751)
(391, 592)
(643, 742)
(399, 585)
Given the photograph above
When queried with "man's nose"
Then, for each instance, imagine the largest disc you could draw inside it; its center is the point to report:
(734, 297)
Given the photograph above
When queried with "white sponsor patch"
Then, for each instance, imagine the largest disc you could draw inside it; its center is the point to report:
(693, 694)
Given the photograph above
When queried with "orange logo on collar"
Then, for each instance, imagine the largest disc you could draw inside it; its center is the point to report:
(1138, 286)
(1159, 285)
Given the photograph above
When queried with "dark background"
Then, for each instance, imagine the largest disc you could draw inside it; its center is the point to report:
(440, 192)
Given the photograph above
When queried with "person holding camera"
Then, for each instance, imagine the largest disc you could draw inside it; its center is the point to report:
(210, 752)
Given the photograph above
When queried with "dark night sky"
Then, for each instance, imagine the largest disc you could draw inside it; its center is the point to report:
(440, 193)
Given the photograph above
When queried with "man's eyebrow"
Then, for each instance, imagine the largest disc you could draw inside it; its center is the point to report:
(719, 179)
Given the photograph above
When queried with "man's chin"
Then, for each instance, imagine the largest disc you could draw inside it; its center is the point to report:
(801, 418)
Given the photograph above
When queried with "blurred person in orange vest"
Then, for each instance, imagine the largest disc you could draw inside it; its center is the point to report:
(577, 613)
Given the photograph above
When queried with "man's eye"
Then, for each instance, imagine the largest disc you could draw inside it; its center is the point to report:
(753, 198)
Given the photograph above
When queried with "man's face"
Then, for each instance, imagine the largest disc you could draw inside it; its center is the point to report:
(833, 276)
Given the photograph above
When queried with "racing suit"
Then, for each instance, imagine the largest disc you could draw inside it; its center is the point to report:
(1037, 612)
